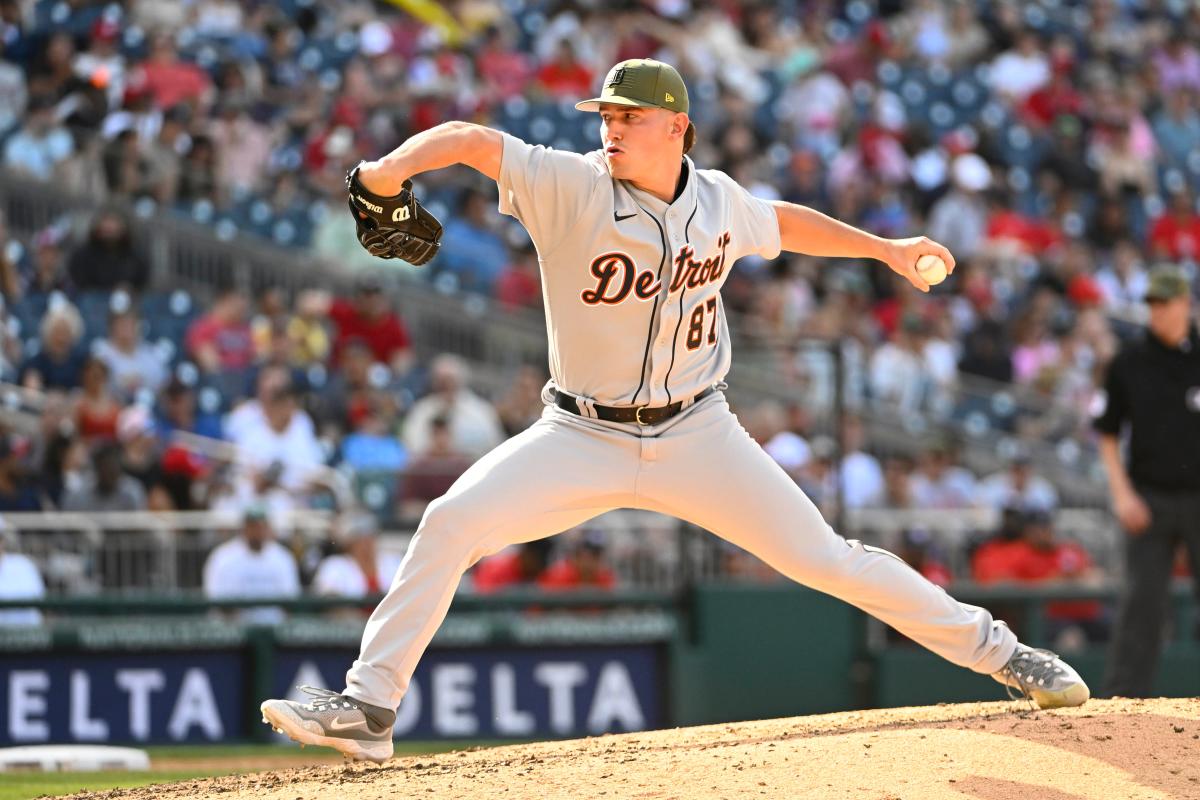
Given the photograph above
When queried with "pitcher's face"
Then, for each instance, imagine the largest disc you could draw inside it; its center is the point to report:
(635, 140)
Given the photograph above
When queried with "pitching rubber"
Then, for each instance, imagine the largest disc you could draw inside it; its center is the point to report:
(277, 714)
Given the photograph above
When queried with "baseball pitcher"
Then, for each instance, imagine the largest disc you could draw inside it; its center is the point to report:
(634, 243)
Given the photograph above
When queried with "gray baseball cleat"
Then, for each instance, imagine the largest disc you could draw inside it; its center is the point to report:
(355, 729)
(1044, 678)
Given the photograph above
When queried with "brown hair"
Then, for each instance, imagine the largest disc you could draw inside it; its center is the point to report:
(689, 137)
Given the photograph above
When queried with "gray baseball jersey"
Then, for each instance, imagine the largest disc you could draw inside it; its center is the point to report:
(632, 284)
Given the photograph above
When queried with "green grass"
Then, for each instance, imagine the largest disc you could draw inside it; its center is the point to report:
(30, 785)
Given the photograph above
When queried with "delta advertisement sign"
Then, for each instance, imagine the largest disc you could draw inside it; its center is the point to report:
(177, 697)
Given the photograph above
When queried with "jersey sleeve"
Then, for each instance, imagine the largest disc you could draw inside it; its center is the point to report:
(754, 227)
(545, 189)
(1111, 406)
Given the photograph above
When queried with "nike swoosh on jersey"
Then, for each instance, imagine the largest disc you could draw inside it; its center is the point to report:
(627, 216)
(338, 725)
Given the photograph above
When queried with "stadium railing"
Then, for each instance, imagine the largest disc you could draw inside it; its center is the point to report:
(101, 555)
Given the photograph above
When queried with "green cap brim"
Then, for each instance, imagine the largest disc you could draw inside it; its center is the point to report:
(613, 100)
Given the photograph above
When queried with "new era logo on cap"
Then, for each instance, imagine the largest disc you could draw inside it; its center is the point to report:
(670, 98)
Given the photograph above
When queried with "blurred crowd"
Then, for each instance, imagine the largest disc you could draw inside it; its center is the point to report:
(1054, 147)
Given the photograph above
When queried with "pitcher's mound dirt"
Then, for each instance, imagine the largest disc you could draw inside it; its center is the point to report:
(1135, 749)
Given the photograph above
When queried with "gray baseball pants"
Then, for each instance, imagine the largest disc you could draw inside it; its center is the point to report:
(700, 466)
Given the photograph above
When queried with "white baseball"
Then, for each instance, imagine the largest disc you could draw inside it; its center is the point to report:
(932, 268)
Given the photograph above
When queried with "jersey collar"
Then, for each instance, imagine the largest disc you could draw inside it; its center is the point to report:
(629, 200)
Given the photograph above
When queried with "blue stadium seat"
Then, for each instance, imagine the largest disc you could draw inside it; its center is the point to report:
(94, 308)
(167, 315)
(377, 491)
(29, 312)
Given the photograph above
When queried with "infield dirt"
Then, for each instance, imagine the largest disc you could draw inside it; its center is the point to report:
(1108, 749)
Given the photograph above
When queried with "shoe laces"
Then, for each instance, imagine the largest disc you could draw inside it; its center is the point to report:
(324, 699)
(1036, 662)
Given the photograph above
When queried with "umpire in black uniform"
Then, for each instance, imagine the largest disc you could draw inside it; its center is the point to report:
(1153, 391)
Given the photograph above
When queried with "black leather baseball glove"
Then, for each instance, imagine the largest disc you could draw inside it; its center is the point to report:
(393, 227)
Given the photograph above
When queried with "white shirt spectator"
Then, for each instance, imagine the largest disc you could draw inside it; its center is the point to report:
(13, 95)
(249, 415)
(815, 108)
(1123, 292)
(341, 576)
(474, 424)
(959, 220)
(1000, 491)
(862, 480)
(789, 450)
(233, 570)
(897, 377)
(20, 580)
(37, 152)
(940, 358)
(955, 487)
(296, 448)
(144, 368)
(1019, 75)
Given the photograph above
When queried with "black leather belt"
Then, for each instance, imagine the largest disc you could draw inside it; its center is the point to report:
(642, 415)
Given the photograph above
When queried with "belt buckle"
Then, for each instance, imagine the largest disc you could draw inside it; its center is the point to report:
(637, 415)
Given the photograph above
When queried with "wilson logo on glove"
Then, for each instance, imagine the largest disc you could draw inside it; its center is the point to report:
(393, 227)
(368, 204)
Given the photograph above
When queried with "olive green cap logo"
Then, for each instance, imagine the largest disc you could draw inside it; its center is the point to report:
(641, 82)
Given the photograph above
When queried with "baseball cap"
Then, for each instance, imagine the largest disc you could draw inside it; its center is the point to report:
(641, 82)
(1037, 516)
(1166, 283)
(644, 83)
(254, 512)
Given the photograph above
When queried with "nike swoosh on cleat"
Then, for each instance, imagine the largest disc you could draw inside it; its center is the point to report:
(627, 216)
(337, 725)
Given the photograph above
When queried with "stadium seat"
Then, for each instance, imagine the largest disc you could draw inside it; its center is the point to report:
(168, 315)
(94, 307)
(377, 491)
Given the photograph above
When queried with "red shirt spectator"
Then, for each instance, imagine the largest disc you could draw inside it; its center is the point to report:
(519, 285)
(996, 561)
(432, 472)
(368, 318)
(1057, 561)
(565, 76)
(584, 568)
(505, 70)
(169, 80)
(96, 408)
(567, 575)
(1037, 558)
(1181, 568)
(914, 550)
(1176, 234)
(512, 567)
(936, 573)
(1054, 99)
(1033, 236)
(221, 340)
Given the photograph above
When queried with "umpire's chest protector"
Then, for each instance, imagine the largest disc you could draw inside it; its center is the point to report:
(632, 284)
